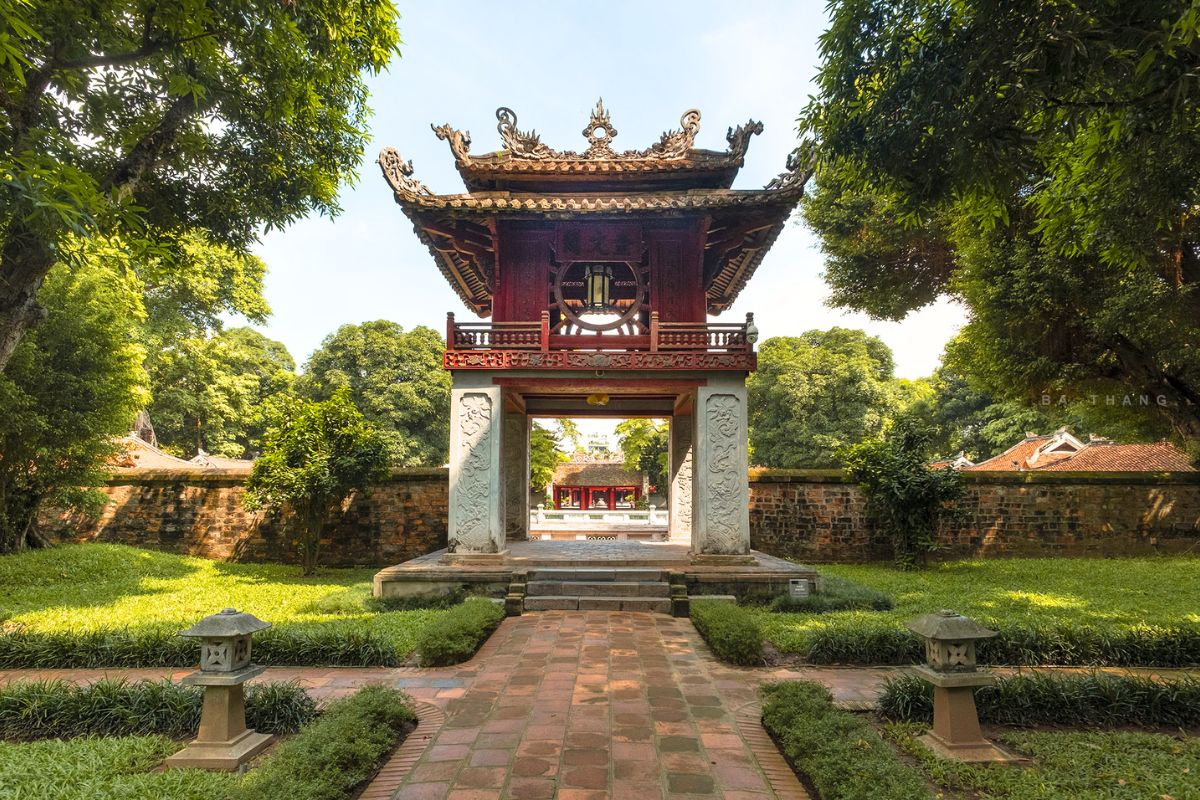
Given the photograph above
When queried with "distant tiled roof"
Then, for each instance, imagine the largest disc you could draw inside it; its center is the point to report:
(1034, 452)
(138, 454)
(596, 473)
(1112, 457)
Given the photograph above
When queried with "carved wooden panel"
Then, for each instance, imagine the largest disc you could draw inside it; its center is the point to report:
(567, 359)
(599, 241)
(522, 276)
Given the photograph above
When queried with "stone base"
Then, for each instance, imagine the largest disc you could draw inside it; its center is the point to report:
(474, 559)
(979, 752)
(722, 560)
(227, 756)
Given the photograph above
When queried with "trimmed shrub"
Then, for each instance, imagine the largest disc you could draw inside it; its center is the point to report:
(57, 709)
(333, 757)
(837, 594)
(865, 642)
(842, 755)
(460, 633)
(163, 647)
(1048, 699)
(731, 631)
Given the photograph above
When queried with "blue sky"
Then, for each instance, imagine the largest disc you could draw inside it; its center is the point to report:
(549, 62)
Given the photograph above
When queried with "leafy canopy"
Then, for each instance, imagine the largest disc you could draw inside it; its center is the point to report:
(1039, 161)
(396, 378)
(315, 455)
(644, 446)
(72, 386)
(544, 456)
(146, 120)
(816, 393)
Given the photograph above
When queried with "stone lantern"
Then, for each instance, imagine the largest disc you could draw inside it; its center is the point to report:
(224, 742)
(952, 667)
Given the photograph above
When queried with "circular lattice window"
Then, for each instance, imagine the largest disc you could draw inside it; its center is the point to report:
(599, 296)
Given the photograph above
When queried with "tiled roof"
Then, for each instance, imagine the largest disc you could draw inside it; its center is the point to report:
(1112, 457)
(138, 454)
(596, 473)
(1033, 452)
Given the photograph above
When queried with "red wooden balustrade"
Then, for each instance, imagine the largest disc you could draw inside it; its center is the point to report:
(663, 337)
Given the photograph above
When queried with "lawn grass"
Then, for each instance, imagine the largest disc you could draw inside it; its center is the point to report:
(104, 587)
(103, 769)
(1105, 594)
(1070, 765)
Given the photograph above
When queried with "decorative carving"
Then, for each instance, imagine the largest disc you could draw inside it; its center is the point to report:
(569, 359)
(599, 133)
(460, 141)
(472, 488)
(681, 504)
(676, 144)
(739, 138)
(725, 484)
(799, 170)
(398, 173)
(518, 142)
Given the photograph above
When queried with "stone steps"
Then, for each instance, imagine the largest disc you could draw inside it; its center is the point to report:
(597, 589)
(575, 603)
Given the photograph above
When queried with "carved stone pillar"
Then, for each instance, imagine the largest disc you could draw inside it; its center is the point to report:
(720, 485)
(476, 487)
(679, 490)
(516, 476)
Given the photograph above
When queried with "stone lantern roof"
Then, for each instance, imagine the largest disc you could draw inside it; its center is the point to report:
(227, 623)
(948, 625)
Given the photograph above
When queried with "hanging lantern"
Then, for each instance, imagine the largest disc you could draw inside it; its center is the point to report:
(597, 280)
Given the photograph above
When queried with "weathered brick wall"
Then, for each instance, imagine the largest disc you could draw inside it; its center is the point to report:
(818, 516)
(810, 515)
(201, 513)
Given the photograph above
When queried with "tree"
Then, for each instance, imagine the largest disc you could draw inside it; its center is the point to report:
(396, 378)
(905, 498)
(73, 385)
(544, 457)
(568, 432)
(816, 393)
(644, 446)
(210, 393)
(316, 455)
(1038, 161)
(143, 120)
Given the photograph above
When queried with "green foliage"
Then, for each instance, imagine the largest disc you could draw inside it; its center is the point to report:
(568, 431)
(103, 769)
(57, 709)
(645, 447)
(99, 605)
(1068, 766)
(837, 594)
(1047, 611)
(332, 758)
(146, 121)
(71, 386)
(731, 631)
(905, 498)
(459, 633)
(397, 381)
(210, 393)
(1046, 698)
(544, 457)
(817, 393)
(315, 455)
(1038, 161)
(840, 753)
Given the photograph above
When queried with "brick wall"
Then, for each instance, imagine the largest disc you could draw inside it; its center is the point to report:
(818, 516)
(805, 514)
(201, 513)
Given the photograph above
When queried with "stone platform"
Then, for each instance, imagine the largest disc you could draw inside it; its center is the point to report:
(757, 573)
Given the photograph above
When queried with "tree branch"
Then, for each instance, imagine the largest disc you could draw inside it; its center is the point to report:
(143, 157)
(148, 48)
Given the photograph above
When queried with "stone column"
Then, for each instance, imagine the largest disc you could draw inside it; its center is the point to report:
(515, 446)
(476, 487)
(720, 485)
(679, 490)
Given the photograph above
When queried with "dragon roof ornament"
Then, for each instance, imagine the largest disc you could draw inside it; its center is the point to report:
(398, 173)
(673, 145)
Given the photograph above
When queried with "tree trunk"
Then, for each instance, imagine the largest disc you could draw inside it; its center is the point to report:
(310, 538)
(25, 260)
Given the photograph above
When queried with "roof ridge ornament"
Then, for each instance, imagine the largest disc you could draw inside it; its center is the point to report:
(460, 141)
(599, 133)
(739, 137)
(398, 173)
(799, 170)
(520, 143)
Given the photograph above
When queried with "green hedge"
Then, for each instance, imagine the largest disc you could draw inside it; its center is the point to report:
(332, 758)
(459, 634)
(731, 631)
(57, 709)
(864, 642)
(164, 647)
(1041, 698)
(840, 753)
(837, 594)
